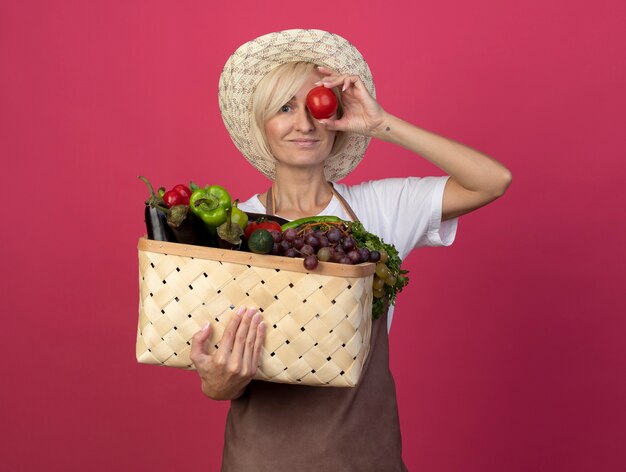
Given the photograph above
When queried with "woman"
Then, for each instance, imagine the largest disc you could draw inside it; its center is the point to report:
(263, 93)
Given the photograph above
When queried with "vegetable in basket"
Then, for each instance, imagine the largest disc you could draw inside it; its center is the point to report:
(156, 225)
(178, 195)
(261, 241)
(311, 219)
(261, 222)
(230, 232)
(210, 204)
(238, 216)
(167, 224)
(155, 218)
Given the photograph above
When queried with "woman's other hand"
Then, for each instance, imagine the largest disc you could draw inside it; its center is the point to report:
(362, 114)
(475, 179)
(227, 371)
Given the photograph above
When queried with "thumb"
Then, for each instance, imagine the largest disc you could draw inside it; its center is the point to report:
(329, 124)
(198, 340)
(342, 124)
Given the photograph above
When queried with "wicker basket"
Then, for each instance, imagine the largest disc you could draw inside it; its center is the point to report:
(318, 323)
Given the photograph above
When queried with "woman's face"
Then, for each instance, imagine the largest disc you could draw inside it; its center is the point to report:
(295, 138)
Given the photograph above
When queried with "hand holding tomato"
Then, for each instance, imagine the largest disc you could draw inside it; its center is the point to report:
(362, 114)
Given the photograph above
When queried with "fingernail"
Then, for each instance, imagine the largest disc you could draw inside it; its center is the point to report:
(319, 82)
(241, 310)
(258, 318)
(251, 312)
(343, 89)
(206, 326)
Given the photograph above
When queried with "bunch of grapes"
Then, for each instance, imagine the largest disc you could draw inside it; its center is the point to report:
(332, 243)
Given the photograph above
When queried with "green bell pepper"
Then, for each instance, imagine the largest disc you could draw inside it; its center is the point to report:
(210, 204)
(238, 216)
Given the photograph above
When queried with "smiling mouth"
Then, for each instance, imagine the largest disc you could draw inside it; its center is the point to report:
(305, 143)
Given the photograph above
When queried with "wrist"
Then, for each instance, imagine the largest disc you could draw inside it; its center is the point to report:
(385, 129)
(221, 394)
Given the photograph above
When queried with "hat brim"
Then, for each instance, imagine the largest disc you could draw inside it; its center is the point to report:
(255, 59)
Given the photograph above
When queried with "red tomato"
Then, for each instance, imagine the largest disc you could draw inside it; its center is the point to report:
(261, 223)
(321, 102)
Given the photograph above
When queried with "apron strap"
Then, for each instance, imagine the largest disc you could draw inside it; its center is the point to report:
(270, 204)
(344, 203)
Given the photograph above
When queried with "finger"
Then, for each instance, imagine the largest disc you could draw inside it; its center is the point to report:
(331, 80)
(228, 338)
(328, 82)
(327, 71)
(330, 124)
(242, 334)
(248, 354)
(343, 81)
(258, 345)
(349, 81)
(198, 341)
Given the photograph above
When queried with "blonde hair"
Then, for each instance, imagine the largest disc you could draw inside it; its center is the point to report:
(275, 90)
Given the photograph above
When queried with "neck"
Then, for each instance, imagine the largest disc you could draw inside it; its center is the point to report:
(300, 196)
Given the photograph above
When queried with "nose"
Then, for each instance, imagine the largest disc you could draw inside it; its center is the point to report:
(304, 121)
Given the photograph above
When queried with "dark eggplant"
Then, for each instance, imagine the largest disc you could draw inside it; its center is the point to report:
(178, 219)
(205, 236)
(156, 224)
(255, 216)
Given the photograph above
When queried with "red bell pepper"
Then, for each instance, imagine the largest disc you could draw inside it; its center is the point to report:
(178, 195)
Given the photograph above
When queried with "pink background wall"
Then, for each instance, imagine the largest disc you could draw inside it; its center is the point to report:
(507, 348)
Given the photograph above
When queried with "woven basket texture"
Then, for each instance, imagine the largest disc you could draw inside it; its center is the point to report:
(317, 326)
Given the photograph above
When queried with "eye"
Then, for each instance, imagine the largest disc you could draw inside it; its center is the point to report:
(285, 108)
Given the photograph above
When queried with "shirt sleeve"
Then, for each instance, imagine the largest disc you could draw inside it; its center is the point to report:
(253, 204)
(405, 212)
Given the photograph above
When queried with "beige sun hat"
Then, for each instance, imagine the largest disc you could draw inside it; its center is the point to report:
(252, 61)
